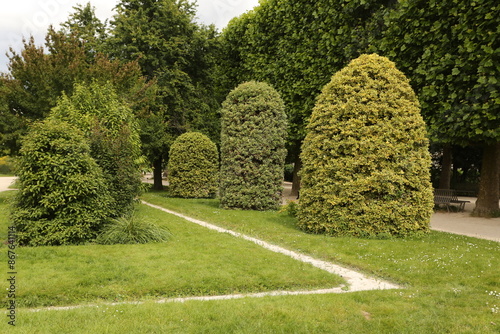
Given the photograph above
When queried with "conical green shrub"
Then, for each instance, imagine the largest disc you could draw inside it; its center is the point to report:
(62, 198)
(365, 156)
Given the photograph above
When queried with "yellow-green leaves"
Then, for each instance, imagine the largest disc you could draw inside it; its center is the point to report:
(365, 156)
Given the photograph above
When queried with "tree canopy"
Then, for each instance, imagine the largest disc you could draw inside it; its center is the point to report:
(175, 51)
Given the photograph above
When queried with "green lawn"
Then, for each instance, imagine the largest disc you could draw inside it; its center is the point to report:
(452, 282)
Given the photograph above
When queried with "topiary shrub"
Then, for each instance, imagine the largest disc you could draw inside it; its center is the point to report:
(62, 198)
(253, 150)
(365, 156)
(193, 166)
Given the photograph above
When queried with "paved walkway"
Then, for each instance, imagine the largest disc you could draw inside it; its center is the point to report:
(5, 182)
(452, 222)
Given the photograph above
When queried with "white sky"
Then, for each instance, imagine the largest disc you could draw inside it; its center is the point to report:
(22, 18)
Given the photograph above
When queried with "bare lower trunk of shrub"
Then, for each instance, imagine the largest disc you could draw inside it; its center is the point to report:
(296, 179)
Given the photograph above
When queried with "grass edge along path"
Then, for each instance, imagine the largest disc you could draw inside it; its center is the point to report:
(356, 280)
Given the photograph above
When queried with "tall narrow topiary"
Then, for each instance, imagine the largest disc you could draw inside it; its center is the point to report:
(193, 166)
(365, 155)
(253, 150)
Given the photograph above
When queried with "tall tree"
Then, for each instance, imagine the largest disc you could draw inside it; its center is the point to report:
(450, 51)
(84, 24)
(171, 48)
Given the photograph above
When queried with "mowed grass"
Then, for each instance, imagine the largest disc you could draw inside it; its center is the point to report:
(452, 285)
(194, 262)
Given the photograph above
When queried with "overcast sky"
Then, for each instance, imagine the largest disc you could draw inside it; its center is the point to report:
(22, 18)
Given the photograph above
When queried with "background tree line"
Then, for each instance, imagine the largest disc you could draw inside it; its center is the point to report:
(174, 73)
(449, 50)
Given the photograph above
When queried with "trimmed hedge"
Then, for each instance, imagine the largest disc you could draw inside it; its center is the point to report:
(253, 134)
(193, 166)
(62, 198)
(365, 156)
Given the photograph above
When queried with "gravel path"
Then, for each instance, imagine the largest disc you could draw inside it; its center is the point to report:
(5, 182)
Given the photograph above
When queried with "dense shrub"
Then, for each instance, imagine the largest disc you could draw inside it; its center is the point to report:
(366, 160)
(112, 131)
(62, 196)
(193, 166)
(253, 150)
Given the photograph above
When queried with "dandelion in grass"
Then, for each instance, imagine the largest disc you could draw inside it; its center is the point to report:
(132, 230)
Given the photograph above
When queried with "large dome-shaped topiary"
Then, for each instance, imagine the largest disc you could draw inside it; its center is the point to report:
(365, 156)
(253, 150)
(193, 166)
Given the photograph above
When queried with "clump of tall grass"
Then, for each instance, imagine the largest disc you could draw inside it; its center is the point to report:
(132, 230)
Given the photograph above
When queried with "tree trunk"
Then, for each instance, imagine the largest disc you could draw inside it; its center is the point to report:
(157, 174)
(489, 185)
(445, 178)
(296, 178)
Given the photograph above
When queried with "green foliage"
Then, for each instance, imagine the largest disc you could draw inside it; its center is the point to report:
(295, 45)
(366, 159)
(174, 50)
(450, 51)
(291, 208)
(193, 166)
(38, 76)
(6, 165)
(252, 147)
(132, 230)
(112, 132)
(63, 198)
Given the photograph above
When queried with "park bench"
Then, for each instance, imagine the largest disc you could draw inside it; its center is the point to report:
(448, 197)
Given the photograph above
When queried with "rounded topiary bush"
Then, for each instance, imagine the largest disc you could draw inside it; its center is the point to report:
(193, 166)
(365, 156)
(253, 150)
(62, 198)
